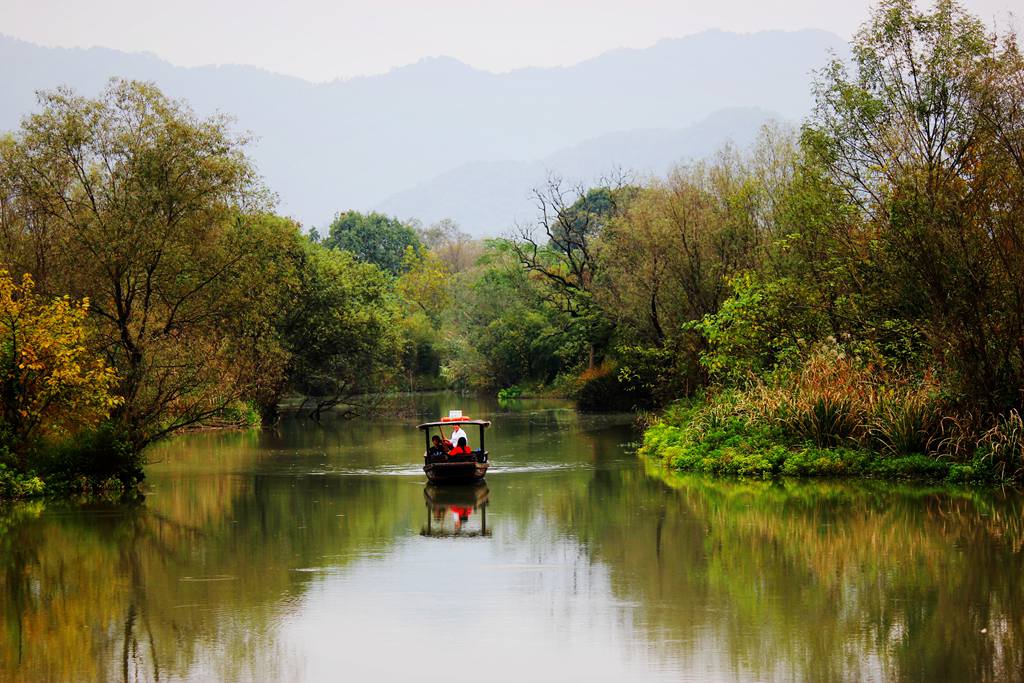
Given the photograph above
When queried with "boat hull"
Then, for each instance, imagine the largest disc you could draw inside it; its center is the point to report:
(455, 472)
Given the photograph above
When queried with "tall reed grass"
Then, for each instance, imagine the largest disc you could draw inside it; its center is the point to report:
(1002, 445)
(833, 401)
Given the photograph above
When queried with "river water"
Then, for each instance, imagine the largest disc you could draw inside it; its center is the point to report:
(319, 553)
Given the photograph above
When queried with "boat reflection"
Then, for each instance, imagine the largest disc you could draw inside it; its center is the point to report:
(456, 511)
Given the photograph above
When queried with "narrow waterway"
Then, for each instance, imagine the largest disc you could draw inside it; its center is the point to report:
(321, 554)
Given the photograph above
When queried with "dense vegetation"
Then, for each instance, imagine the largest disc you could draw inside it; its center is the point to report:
(161, 292)
(847, 298)
(883, 315)
(843, 298)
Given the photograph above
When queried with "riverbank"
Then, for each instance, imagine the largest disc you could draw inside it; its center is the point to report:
(711, 436)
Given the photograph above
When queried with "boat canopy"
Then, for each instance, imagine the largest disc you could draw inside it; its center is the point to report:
(451, 423)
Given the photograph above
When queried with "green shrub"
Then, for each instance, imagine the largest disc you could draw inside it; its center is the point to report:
(509, 393)
(100, 459)
(825, 462)
(915, 466)
(979, 470)
(14, 484)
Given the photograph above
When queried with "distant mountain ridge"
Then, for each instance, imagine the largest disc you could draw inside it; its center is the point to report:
(491, 196)
(362, 142)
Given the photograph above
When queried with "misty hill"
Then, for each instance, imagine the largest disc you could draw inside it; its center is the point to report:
(490, 196)
(356, 143)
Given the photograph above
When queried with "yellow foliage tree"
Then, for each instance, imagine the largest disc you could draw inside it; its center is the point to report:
(51, 384)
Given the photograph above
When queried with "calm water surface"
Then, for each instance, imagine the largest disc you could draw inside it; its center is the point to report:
(319, 553)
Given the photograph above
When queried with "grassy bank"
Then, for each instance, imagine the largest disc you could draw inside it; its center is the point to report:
(832, 419)
(692, 437)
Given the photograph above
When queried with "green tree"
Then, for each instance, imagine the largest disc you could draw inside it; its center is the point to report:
(425, 284)
(666, 257)
(424, 291)
(503, 331)
(270, 307)
(559, 254)
(373, 238)
(344, 340)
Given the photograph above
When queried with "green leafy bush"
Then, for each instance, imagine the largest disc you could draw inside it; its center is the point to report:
(100, 459)
(14, 484)
(509, 393)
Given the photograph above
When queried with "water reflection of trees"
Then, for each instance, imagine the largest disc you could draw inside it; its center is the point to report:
(817, 581)
(192, 583)
(195, 581)
(813, 581)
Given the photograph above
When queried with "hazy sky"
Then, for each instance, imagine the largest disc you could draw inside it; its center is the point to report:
(325, 39)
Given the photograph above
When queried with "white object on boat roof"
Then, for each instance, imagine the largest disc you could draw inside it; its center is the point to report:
(454, 414)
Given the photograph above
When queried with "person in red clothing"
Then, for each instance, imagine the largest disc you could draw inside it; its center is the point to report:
(461, 449)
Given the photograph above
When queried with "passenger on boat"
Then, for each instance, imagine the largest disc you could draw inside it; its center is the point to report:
(461, 449)
(459, 433)
(439, 447)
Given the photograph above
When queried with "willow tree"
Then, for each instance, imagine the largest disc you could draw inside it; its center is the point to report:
(132, 201)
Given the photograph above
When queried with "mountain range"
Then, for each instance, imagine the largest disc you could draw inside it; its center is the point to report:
(500, 193)
(439, 138)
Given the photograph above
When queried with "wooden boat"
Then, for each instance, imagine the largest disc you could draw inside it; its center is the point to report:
(457, 469)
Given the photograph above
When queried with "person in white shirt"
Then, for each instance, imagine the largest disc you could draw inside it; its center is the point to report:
(457, 434)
